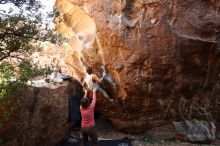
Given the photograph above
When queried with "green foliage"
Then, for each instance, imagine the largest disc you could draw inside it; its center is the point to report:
(14, 36)
(19, 3)
(6, 73)
(13, 78)
(18, 33)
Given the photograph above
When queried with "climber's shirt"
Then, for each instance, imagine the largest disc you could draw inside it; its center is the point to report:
(91, 82)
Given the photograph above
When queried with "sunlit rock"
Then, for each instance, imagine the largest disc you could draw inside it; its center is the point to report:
(162, 57)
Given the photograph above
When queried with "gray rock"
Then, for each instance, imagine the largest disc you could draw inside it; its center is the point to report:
(196, 131)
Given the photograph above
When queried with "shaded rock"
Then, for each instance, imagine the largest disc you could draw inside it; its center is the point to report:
(132, 13)
(163, 132)
(42, 118)
(196, 131)
(11, 143)
(218, 135)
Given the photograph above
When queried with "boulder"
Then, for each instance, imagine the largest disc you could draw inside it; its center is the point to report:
(196, 131)
(162, 57)
(42, 117)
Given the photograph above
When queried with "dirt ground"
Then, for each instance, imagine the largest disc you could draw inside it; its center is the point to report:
(160, 136)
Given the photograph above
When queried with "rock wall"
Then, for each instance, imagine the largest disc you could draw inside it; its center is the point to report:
(42, 118)
(162, 57)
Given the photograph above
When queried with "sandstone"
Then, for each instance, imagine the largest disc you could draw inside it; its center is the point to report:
(42, 117)
(162, 55)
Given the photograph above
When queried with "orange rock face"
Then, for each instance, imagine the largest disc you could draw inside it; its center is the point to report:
(162, 57)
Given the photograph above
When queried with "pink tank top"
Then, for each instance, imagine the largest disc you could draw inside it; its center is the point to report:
(88, 114)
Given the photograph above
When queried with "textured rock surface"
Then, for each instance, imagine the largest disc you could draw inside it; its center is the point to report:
(42, 118)
(163, 56)
(196, 131)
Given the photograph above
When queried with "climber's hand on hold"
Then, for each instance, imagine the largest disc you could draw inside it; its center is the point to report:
(104, 71)
(104, 74)
(103, 67)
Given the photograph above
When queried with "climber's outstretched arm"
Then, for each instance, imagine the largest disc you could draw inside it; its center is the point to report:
(85, 92)
(97, 79)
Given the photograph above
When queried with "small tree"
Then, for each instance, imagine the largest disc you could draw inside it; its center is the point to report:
(17, 34)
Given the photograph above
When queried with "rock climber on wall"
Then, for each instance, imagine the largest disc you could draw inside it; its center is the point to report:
(92, 81)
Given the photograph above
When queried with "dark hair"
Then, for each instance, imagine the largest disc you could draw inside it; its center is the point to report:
(85, 102)
(89, 70)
